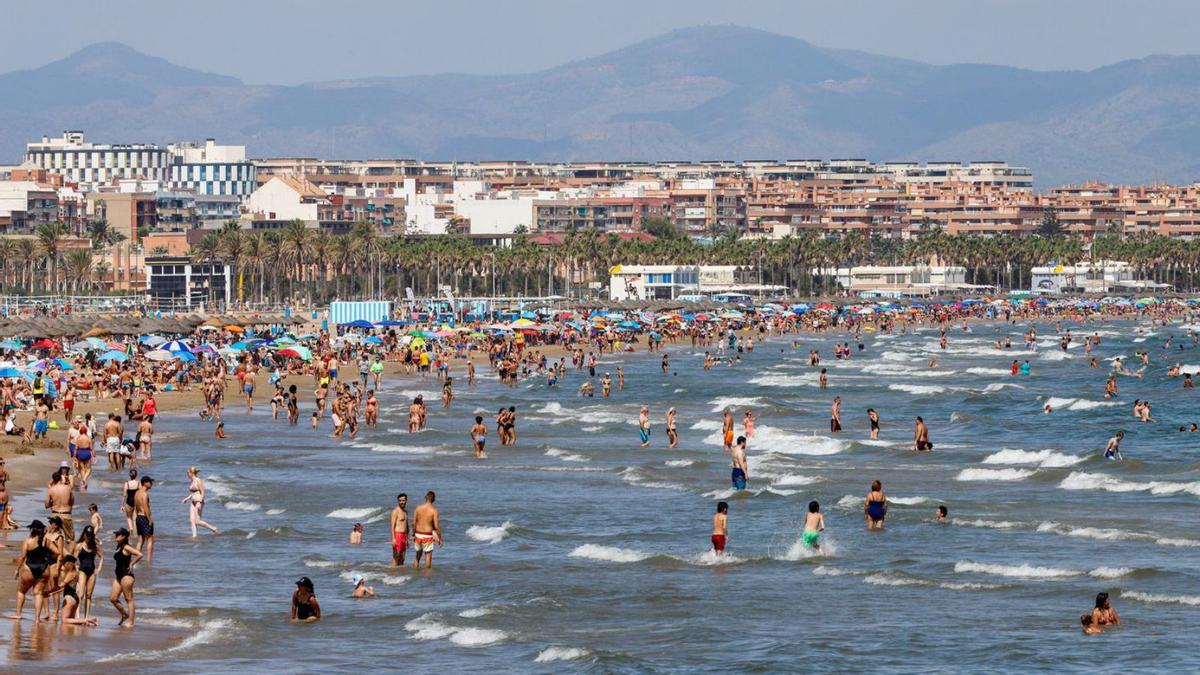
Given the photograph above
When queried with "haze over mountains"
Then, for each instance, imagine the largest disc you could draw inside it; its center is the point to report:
(715, 92)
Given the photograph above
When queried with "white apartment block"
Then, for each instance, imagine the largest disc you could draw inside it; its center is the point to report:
(93, 164)
(212, 169)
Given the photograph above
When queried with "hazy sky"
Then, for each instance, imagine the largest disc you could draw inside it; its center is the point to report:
(291, 41)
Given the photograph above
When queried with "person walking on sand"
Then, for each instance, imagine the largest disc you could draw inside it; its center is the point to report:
(427, 531)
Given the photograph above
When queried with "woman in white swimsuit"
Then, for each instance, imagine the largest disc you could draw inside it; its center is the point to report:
(195, 499)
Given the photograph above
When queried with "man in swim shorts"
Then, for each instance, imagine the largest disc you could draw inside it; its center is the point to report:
(427, 531)
(143, 519)
(740, 472)
(720, 527)
(399, 530)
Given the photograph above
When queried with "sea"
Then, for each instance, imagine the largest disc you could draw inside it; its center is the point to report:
(578, 550)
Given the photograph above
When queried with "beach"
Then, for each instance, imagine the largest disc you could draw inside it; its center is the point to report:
(577, 549)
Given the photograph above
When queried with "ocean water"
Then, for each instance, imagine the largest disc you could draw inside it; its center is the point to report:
(578, 550)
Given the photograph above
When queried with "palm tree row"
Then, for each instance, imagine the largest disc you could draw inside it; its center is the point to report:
(315, 265)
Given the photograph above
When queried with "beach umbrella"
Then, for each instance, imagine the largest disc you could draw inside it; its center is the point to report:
(239, 345)
(9, 371)
(208, 328)
(417, 342)
(390, 323)
(228, 351)
(375, 340)
(357, 323)
(203, 349)
(177, 346)
(477, 335)
(235, 329)
(161, 355)
(185, 357)
(114, 355)
(445, 333)
(152, 340)
(296, 352)
(12, 345)
(45, 344)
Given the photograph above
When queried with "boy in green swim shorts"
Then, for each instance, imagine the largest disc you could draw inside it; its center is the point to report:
(814, 524)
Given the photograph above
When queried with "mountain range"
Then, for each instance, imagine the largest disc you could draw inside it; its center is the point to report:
(711, 92)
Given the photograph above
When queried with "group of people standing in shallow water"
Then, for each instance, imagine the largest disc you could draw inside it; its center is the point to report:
(62, 573)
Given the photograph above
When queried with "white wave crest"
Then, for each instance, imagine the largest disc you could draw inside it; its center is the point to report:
(993, 474)
(1043, 458)
(490, 535)
(608, 553)
(561, 654)
(1022, 571)
(1191, 600)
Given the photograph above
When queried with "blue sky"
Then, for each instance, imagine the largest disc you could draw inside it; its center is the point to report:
(292, 41)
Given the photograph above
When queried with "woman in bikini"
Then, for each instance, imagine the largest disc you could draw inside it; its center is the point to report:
(876, 506)
(195, 499)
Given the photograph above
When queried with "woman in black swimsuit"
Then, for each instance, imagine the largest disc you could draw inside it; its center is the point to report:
(124, 558)
(37, 555)
(87, 552)
(131, 487)
(304, 602)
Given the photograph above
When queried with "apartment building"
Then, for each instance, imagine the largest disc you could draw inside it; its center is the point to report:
(89, 165)
(211, 169)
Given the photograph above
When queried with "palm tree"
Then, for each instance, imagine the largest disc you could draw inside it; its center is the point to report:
(50, 236)
(79, 265)
(231, 246)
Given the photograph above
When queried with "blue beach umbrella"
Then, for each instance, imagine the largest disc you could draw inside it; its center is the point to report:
(11, 345)
(10, 372)
(113, 355)
(152, 340)
(357, 323)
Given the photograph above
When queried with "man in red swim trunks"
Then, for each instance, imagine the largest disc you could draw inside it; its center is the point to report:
(399, 530)
(720, 527)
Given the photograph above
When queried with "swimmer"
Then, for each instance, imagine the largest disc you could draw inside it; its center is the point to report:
(427, 531)
(356, 533)
(942, 513)
(1113, 449)
(400, 535)
(479, 437)
(921, 436)
(720, 531)
(876, 506)
(740, 472)
(361, 589)
(644, 426)
(874, 419)
(814, 525)
(672, 432)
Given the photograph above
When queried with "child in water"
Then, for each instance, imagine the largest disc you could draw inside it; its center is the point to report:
(814, 525)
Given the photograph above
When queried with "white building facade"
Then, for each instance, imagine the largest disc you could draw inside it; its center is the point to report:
(212, 169)
(93, 164)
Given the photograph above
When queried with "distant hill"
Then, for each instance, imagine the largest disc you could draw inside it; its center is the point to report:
(713, 92)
